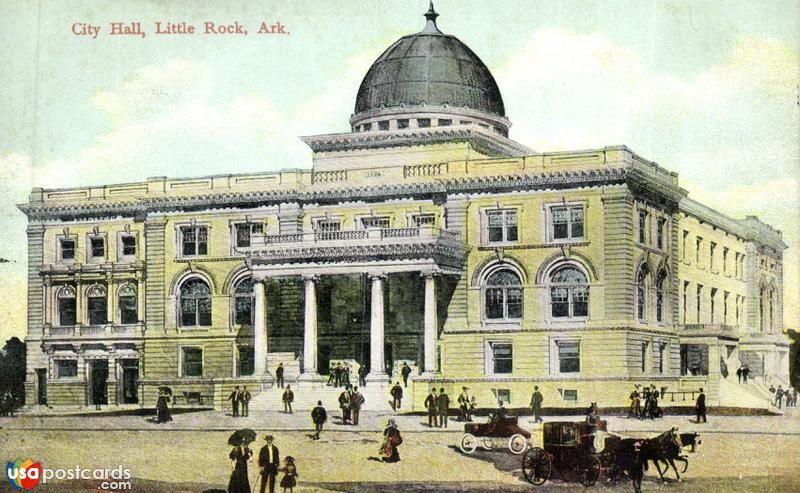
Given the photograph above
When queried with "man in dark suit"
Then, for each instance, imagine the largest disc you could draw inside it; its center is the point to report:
(244, 398)
(268, 463)
(536, 404)
(700, 407)
(234, 398)
(443, 404)
(279, 376)
(433, 409)
(288, 398)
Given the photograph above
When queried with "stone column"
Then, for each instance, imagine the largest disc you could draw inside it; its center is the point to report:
(140, 299)
(310, 332)
(79, 317)
(377, 371)
(110, 298)
(260, 328)
(430, 324)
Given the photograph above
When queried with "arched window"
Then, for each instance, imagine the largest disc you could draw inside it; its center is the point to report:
(761, 313)
(660, 285)
(66, 306)
(97, 305)
(503, 295)
(771, 308)
(128, 307)
(569, 293)
(195, 303)
(641, 294)
(243, 302)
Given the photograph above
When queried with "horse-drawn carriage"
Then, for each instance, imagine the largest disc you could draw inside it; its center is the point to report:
(568, 452)
(499, 431)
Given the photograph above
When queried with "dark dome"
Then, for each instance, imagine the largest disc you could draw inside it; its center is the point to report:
(433, 68)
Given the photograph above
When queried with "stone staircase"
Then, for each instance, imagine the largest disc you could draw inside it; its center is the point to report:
(306, 395)
(751, 395)
(291, 365)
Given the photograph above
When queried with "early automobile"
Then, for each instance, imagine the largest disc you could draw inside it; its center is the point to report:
(568, 452)
(498, 432)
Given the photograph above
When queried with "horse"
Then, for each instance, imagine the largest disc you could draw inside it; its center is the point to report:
(667, 448)
(689, 440)
(628, 453)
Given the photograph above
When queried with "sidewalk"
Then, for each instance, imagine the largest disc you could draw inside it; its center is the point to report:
(372, 421)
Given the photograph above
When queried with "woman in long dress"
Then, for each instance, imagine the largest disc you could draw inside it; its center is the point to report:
(162, 410)
(391, 440)
(239, 482)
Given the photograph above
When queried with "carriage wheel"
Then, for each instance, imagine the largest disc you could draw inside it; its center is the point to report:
(590, 470)
(487, 443)
(517, 444)
(536, 466)
(468, 443)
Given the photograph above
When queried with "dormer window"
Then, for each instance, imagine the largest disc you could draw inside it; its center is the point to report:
(402, 123)
(423, 122)
(383, 125)
(445, 122)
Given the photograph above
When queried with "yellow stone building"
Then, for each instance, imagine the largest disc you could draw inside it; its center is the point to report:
(426, 236)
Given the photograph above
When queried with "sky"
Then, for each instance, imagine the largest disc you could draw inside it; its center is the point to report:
(710, 90)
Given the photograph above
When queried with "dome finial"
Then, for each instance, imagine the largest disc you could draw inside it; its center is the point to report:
(431, 16)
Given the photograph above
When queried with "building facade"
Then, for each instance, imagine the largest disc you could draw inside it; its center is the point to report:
(426, 236)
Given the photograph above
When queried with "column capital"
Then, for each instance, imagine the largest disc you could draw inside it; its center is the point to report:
(429, 274)
(309, 277)
(377, 275)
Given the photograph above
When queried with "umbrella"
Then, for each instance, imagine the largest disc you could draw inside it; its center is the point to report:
(243, 436)
(165, 390)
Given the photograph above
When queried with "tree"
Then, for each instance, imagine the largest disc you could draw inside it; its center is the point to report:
(794, 357)
(12, 369)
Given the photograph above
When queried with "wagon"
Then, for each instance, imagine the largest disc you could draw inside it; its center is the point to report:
(567, 452)
(500, 431)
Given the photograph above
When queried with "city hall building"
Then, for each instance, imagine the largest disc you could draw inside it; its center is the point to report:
(424, 235)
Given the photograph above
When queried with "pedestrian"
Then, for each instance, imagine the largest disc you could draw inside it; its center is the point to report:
(700, 407)
(244, 399)
(279, 376)
(739, 372)
(430, 405)
(655, 411)
(346, 376)
(636, 404)
(239, 481)
(463, 404)
(362, 375)
(397, 396)
(443, 404)
(318, 416)
(391, 440)
(4, 404)
(331, 374)
(592, 417)
(337, 375)
(268, 462)
(288, 398)
(794, 397)
(405, 371)
(235, 397)
(779, 396)
(289, 479)
(745, 373)
(356, 400)
(344, 405)
(162, 409)
(473, 405)
(638, 466)
(536, 404)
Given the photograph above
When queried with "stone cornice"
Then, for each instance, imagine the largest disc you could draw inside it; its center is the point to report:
(750, 228)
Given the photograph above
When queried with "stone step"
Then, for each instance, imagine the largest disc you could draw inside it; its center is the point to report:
(306, 395)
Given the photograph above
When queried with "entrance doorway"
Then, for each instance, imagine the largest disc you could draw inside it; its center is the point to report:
(99, 389)
(41, 386)
(130, 381)
(324, 359)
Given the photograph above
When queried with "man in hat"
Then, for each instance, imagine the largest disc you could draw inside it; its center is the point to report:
(268, 462)
(700, 407)
(362, 375)
(318, 416)
(430, 404)
(235, 398)
(443, 404)
(288, 398)
(279, 376)
(344, 405)
(463, 404)
(244, 398)
(405, 371)
(536, 404)
(397, 396)
(356, 400)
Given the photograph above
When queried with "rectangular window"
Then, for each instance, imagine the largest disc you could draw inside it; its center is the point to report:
(366, 127)
(245, 232)
(698, 246)
(128, 245)
(567, 222)
(192, 362)
(662, 229)
(66, 312)
(569, 357)
(711, 254)
(97, 247)
(504, 396)
(128, 311)
(98, 310)
(642, 227)
(402, 123)
(502, 225)
(421, 220)
(738, 300)
(246, 360)
(725, 297)
(381, 222)
(644, 356)
(698, 301)
(383, 125)
(66, 368)
(423, 122)
(67, 249)
(742, 268)
(194, 240)
(725, 252)
(571, 395)
(713, 303)
(685, 299)
(445, 122)
(660, 350)
(683, 244)
(502, 357)
(736, 265)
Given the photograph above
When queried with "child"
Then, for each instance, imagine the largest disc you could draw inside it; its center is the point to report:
(289, 481)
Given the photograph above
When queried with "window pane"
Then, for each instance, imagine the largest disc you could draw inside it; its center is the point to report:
(244, 311)
(66, 368)
(98, 247)
(129, 245)
(67, 249)
(577, 230)
(495, 234)
(66, 311)
(503, 358)
(503, 278)
(569, 357)
(494, 303)
(202, 241)
(98, 311)
(192, 362)
(242, 235)
(128, 310)
(514, 296)
(204, 312)
(560, 231)
(511, 233)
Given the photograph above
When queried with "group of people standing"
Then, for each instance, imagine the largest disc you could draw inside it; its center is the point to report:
(339, 375)
(269, 467)
(240, 401)
(743, 372)
(438, 406)
(466, 405)
(350, 402)
(644, 404)
(779, 394)
(7, 403)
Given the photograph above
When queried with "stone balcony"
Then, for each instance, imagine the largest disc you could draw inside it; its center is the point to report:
(94, 332)
(368, 244)
(710, 330)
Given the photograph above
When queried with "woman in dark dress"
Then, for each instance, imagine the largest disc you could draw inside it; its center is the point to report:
(391, 440)
(239, 482)
(162, 410)
(289, 479)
